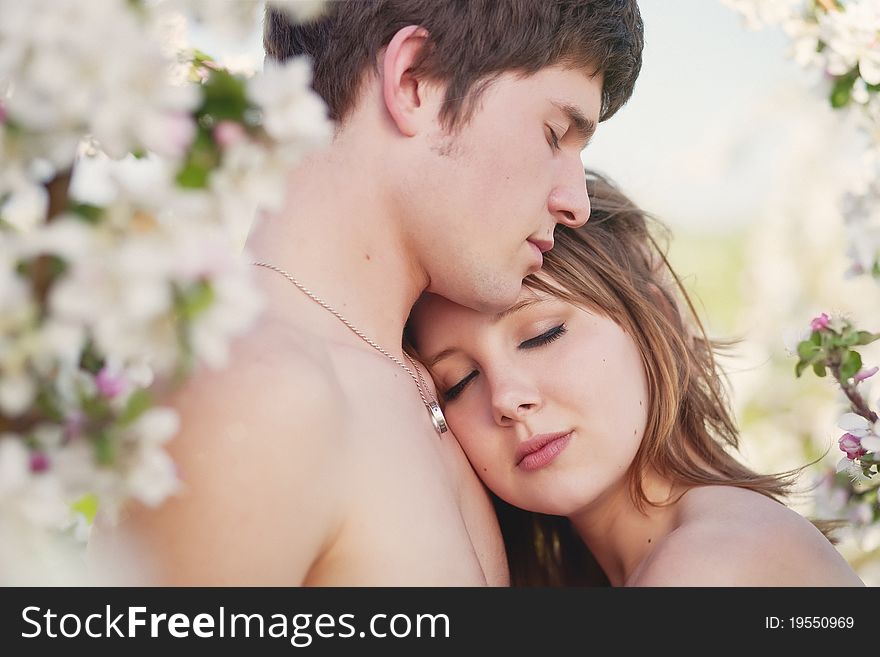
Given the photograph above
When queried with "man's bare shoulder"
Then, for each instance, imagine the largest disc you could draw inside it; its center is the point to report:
(735, 537)
(261, 459)
(270, 370)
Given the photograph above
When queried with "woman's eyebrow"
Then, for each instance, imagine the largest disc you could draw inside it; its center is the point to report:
(519, 305)
(446, 353)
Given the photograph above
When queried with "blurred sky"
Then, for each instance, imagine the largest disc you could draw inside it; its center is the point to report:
(687, 145)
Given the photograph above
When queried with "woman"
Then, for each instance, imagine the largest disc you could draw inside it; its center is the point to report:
(593, 409)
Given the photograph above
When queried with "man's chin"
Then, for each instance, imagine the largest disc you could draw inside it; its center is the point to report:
(500, 301)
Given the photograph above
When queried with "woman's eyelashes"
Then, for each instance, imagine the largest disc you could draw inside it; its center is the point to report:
(545, 338)
(455, 390)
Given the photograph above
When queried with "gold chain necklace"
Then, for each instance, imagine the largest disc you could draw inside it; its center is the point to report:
(437, 418)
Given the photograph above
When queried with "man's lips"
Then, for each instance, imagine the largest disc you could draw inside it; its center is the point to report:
(543, 245)
(537, 443)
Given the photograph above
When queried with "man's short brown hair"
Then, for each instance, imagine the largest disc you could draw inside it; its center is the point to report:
(471, 42)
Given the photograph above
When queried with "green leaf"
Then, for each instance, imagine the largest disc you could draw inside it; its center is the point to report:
(48, 406)
(95, 407)
(816, 338)
(91, 214)
(201, 57)
(196, 300)
(203, 157)
(138, 403)
(105, 449)
(224, 96)
(193, 176)
(90, 360)
(800, 367)
(841, 92)
(819, 369)
(88, 506)
(807, 350)
(851, 364)
(866, 337)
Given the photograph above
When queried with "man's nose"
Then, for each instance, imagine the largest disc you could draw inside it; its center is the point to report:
(569, 202)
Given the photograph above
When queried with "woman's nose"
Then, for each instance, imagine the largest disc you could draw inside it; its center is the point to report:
(513, 401)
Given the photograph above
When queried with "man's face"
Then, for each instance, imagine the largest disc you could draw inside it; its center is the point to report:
(486, 199)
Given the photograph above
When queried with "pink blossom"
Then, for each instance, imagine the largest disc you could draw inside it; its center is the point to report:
(852, 446)
(229, 133)
(169, 135)
(39, 462)
(820, 322)
(865, 373)
(108, 384)
(74, 425)
(181, 131)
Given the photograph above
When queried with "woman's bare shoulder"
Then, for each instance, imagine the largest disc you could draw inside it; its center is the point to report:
(730, 536)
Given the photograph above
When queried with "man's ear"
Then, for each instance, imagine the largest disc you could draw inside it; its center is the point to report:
(402, 91)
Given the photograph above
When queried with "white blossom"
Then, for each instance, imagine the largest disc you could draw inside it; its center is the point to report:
(14, 464)
(148, 473)
(292, 112)
(861, 428)
(17, 393)
(63, 84)
(300, 10)
(25, 203)
(805, 41)
(125, 276)
(762, 13)
(851, 36)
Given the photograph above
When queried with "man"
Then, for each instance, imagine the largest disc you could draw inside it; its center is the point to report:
(313, 458)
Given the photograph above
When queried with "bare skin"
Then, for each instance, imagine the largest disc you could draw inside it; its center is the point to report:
(297, 479)
(551, 369)
(727, 536)
(311, 459)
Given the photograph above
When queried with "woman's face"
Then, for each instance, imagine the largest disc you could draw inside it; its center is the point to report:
(548, 400)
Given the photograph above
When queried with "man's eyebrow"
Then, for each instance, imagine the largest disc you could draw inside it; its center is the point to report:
(584, 127)
(519, 305)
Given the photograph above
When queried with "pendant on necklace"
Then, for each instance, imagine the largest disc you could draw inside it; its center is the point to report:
(437, 417)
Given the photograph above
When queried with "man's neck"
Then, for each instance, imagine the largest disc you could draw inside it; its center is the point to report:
(338, 235)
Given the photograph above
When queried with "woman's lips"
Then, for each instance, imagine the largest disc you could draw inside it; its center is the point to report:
(540, 451)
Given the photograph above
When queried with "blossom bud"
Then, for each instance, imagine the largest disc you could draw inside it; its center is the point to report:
(109, 385)
(820, 322)
(39, 462)
(865, 373)
(851, 445)
(229, 133)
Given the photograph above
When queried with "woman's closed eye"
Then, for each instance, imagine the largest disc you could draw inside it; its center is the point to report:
(545, 338)
(455, 390)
